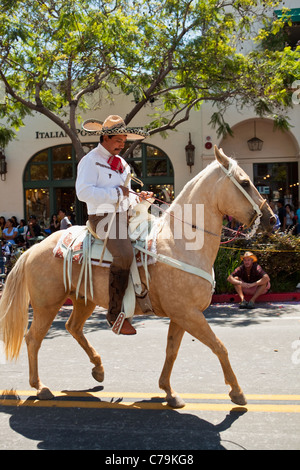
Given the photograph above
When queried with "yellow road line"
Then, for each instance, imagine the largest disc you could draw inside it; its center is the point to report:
(190, 396)
(267, 408)
(93, 400)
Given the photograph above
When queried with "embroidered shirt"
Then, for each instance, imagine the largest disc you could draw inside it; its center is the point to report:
(98, 185)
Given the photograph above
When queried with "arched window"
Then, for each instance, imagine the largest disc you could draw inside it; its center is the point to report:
(50, 175)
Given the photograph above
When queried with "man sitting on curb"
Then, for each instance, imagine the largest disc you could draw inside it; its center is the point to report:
(249, 279)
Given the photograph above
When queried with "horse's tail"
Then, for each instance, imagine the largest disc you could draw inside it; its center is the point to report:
(14, 308)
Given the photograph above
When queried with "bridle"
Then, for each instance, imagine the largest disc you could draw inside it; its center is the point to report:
(257, 209)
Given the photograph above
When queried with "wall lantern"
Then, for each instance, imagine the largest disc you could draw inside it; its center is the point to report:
(255, 143)
(190, 153)
(3, 166)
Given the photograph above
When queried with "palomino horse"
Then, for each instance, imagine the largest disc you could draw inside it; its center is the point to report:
(221, 188)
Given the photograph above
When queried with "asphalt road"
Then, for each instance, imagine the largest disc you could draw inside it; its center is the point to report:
(128, 412)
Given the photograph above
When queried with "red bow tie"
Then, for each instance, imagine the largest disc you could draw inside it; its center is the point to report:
(115, 163)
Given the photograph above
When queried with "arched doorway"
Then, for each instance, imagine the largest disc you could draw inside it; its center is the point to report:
(49, 183)
(50, 175)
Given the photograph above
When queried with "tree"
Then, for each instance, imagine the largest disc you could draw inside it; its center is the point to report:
(172, 55)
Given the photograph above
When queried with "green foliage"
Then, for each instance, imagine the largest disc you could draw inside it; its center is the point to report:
(278, 254)
(172, 55)
(6, 135)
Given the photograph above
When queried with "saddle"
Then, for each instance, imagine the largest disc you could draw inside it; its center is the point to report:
(80, 244)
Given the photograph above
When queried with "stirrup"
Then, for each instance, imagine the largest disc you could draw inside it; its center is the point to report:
(121, 321)
(117, 326)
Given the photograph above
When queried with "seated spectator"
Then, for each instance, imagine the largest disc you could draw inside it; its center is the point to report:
(54, 223)
(2, 222)
(34, 231)
(10, 232)
(22, 230)
(64, 221)
(15, 221)
(249, 279)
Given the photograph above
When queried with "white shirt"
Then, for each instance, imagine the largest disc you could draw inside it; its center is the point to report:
(98, 185)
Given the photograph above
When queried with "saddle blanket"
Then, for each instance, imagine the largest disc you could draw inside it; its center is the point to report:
(73, 240)
(77, 242)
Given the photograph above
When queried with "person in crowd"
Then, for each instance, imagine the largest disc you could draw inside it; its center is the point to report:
(298, 220)
(64, 221)
(71, 217)
(10, 232)
(290, 218)
(281, 214)
(2, 223)
(34, 231)
(276, 226)
(22, 230)
(54, 224)
(15, 221)
(249, 279)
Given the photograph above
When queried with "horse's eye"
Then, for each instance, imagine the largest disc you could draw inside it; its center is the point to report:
(245, 183)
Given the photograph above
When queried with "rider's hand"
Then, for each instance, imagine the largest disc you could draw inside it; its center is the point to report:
(145, 195)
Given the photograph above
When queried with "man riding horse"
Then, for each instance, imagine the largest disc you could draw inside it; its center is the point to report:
(103, 183)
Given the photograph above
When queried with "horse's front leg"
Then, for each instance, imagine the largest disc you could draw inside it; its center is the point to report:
(175, 335)
(196, 324)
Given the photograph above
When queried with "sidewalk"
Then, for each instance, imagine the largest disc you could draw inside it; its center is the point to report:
(269, 297)
(234, 298)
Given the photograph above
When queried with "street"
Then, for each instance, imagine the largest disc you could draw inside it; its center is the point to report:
(128, 411)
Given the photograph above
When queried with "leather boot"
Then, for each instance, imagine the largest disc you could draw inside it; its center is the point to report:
(118, 282)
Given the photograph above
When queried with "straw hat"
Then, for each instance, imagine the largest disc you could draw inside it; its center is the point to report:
(249, 254)
(114, 125)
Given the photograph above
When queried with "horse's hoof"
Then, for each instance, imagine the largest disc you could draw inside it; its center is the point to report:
(176, 402)
(45, 394)
(238, 398)
(98, 373)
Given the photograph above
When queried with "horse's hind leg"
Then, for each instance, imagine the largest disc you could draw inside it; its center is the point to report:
(81, 312)
(175, 335)
(42, 319)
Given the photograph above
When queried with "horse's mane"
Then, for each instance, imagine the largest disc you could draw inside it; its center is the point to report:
(191, 184)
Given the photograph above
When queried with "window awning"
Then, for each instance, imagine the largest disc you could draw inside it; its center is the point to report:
(292, 13)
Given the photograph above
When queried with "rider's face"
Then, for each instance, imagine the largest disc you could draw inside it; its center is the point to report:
(115, 144)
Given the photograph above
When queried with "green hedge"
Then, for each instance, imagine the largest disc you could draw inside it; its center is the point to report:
(278, 254)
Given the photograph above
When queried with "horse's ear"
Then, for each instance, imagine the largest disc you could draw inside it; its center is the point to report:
(221, 157)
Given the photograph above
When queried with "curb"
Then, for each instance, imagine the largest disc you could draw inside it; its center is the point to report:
(269, 297)
(234, 298)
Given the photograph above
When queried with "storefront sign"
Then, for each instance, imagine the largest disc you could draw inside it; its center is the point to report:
(59, 134)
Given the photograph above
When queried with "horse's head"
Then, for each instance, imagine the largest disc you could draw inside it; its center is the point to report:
(241, 199)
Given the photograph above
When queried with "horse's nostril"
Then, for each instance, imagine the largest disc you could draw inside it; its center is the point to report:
(272, 220)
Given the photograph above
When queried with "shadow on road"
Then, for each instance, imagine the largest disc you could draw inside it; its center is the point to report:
(121, 428)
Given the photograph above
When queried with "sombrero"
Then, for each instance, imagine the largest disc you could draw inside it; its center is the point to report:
(114, 125)
(249, 254)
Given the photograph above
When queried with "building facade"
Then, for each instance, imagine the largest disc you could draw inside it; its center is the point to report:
(41, 163)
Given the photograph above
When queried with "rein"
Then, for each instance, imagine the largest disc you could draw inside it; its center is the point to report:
(237, 232)
(255, 220)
